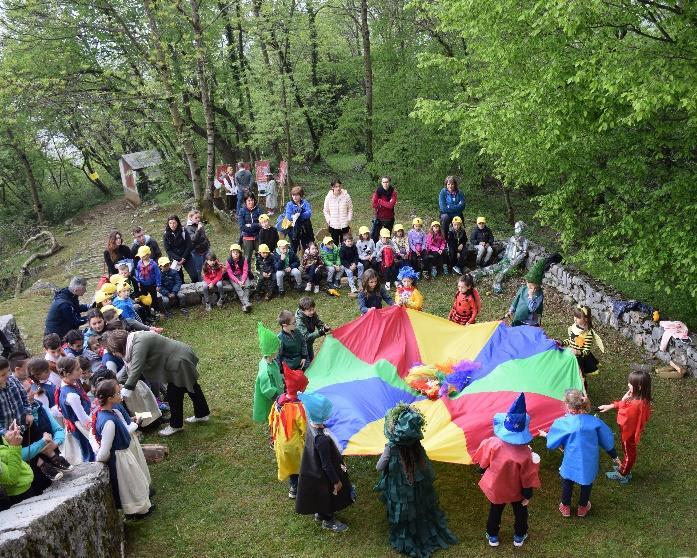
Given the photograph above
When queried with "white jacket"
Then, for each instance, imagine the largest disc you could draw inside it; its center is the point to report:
(338, 210)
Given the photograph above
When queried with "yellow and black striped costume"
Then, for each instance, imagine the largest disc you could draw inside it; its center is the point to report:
(582, 340)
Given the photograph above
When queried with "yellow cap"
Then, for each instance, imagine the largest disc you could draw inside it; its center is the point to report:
(481, 220)
(143, 251)
(263, 217)
(123, 286)
(145, 299)
(101, 296)
(363, 230)
(163, 261)
(398, 227)
(282, 242)
(327, 240)
(116, 278)
(384, 233)
(108, 288)
(434, 223)
(457, 219)
(263, 249)
(236, 247)
(417, 221)
(111, 307)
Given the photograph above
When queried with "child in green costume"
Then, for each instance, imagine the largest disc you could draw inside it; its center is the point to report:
(417, 525)
(526, 308)
(269, 383)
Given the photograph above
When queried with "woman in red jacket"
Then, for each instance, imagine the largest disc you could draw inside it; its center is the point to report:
(384, 200)
(212, 278)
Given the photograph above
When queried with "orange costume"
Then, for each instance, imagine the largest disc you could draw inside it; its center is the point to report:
(465, 307)
(632, 416)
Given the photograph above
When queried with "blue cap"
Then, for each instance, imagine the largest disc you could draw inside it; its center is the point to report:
(513, 426)
(317, 407)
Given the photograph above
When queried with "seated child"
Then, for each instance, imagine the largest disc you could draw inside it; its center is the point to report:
(266, 269)
(18, 364)
(527, 306)
(366, 249)
(95, 325)
(94, 352)
(54, 350)
(212, 275)
(372, 294)
(293, 348)
(407, 294)
(101, 298)
(417, 243)
(511, 471)
(16, 475)
(348, 255)
(148, 276)
(313, 267)
(401, 244)
(482, 240)
(309, 325)
(267, 234)
(170, 285)
(74, 405)
(332, 260)
(457, 245)
(238, 273)
(324, 487)
(435, 250)
(269, 383)
(286, 264)
(385, 255)
(14, 405)
(44, 390)
(74, 341)
(86, 368)
(467, 303)
(287, 424)
(581, 436)
(124, 302)
(417, 525)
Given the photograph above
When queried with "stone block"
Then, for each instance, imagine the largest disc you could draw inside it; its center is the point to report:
(604, 317)
(657, 332)
(8, 325)
(155, 453)
(663, 356)
(679, 356)
(189, 295)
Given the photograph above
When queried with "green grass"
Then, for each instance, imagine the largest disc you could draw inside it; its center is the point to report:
(217, 492)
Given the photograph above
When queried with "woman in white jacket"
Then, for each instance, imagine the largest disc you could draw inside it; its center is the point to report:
(338, 211)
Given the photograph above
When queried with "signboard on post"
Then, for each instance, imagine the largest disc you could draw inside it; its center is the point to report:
(260, 170)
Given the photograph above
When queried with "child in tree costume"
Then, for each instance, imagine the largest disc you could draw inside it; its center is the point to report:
(417, 525)
(269, 384)
(287, 423)
(526, 308)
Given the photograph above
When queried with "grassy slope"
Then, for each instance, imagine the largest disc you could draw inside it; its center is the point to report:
(218, 494)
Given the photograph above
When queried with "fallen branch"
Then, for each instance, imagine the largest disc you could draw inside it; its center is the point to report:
(52, 249)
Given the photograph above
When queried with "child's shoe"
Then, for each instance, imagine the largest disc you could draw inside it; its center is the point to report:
(387, 286)
(457, 270)
(281, 293)
(292, 492)
(445, 270)
(50, 471)
(582, 511)
(518, 540)
(434, 272)
(334, 525)
(616, 475)
(208, 307)
(61, 462)
(185, 311)
(220, 302)
(299, 287)
(308, 287)
(493, 539)
(246, 307)
(354, 289)
(316, 289)
(565, 510)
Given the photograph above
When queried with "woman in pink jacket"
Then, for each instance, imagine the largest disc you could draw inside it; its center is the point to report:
(435, 250)
(338, 211)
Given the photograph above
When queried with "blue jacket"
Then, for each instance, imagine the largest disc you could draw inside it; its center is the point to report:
(127, 308)
(251, 218)
(147, 280)
(45, 423)
(373, 300)
(64, 313)
(304, 209)
(451, 204)
(280, 263)
(581, 436)
(170, 282)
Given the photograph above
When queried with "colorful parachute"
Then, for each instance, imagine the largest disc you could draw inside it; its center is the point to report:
(361, 367)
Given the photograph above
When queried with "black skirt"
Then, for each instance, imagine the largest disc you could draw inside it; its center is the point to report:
(588, 364)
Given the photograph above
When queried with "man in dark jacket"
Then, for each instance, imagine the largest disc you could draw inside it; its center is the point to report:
(243, 179)
(142, 239)
(65, 310)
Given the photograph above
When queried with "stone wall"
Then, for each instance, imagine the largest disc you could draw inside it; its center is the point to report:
(579, 288)
(75, 517)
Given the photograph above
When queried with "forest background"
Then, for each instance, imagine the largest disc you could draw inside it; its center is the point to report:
(587, 109)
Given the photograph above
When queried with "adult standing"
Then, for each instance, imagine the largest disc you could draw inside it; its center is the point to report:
(115, 252)
(248, 217)
(156, 358)
(200, 245)
(142, 239)
(271, 199)
(384, 201)
(299, 212)
(65, 311)
(338, 211)
(451, 202)
(243, 179)
(228, 180)
(178, 246)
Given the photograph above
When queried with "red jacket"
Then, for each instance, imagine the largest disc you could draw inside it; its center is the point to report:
(212, 275)
(632, 415)
(384, 207)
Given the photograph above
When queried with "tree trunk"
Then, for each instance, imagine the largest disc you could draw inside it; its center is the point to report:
(31, 179)
(89, 173)
(368, 82)
(510, 215)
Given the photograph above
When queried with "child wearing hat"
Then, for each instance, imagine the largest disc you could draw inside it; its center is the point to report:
(385, 255)
(287, 424)
(324, 487)
(124, 303)
(401, 245)
(286, 263)
(332, 261)
(527, 306)
(407, 293)
(170, 284)
(457, 245)
(313, 267)
(237, 269)
(482, 240)
(511, 470)
(267, 234)
(417, 524)
(293, 349)
(269, 383)
(581, 436)
(366, 249)
(417, 240)
(148, 276)
(101, 298)
(266, 268)
(309, 324)
(348, 254)
(435, 250)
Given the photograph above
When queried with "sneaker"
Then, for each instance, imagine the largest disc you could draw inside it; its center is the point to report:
(519, 540)
(354, 289)
(208, 307)
(308, 287)
(316, 289)
(582, 511)
(298, 287)
(445, 270)
(50, 471)
(565, 510)
(185, 311)
(616, 475)
(246, 307)
(220, 303)
(457, 270)
(387, 286)
(281, 293)
(61, 463)
(334, 525)
(292, 493)
(169, 430)
(267, 297)
(318, 519)
(493, 540)
(192, 420)
(434, 272)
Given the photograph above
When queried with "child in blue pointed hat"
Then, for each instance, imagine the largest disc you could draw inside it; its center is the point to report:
(511, 470)
(323, 483)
